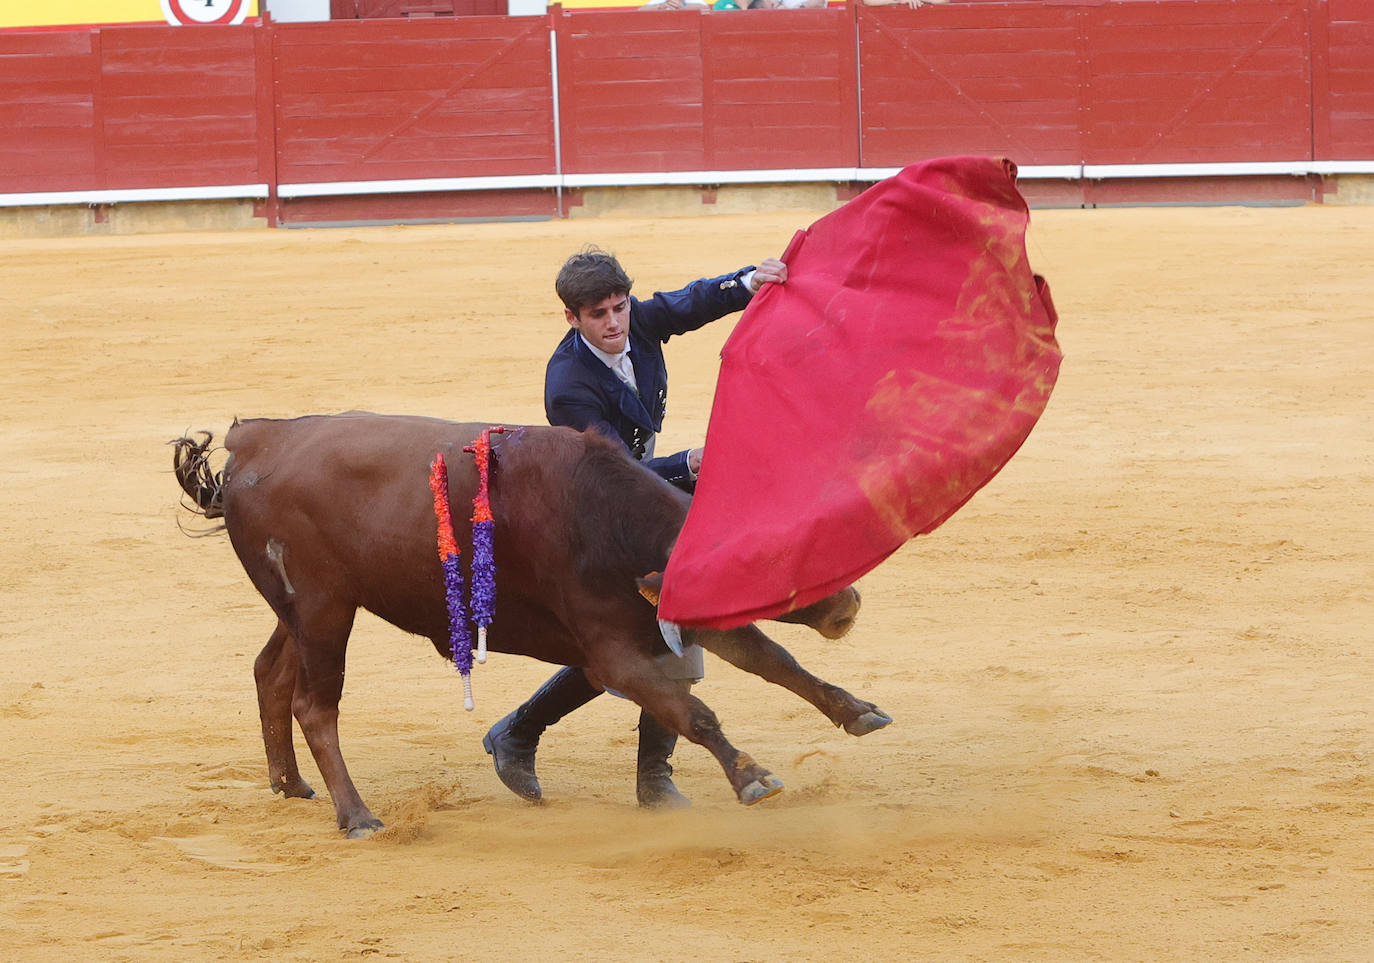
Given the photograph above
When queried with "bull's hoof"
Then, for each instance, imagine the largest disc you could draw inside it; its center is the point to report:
(294, 789)
(369, 827)
(868, 722)
(760, 789)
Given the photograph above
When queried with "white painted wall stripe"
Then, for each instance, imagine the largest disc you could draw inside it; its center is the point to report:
(1109, 171)
(54, 198)
(1343, 167)
(668, 178)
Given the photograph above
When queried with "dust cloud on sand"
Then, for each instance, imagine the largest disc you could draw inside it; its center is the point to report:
(1131, 678)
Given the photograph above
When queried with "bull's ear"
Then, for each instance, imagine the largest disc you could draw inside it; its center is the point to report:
(651, 586)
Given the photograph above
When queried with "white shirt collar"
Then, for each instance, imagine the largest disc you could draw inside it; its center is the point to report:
(620, 363)
(611, 361)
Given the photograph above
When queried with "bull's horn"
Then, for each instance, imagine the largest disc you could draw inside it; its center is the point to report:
(651, 586)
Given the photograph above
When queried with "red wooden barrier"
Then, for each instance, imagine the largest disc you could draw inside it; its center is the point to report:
(1345, 88)
(178, 107)
(991, 79)
(1208, 80)
(48, 84)
(1119, 83)
(390, 99)
(780, 98)
(630, 91)
(678, 91)
(128, 108)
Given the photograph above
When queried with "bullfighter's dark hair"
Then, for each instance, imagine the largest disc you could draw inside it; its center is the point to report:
(590, 276)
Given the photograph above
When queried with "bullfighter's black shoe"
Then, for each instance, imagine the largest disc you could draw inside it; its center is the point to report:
(654, 778)
(512, 742)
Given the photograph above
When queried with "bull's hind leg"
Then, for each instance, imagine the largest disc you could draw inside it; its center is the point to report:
(639, 678)
(321, 637)
(749, 649)
(275, 673)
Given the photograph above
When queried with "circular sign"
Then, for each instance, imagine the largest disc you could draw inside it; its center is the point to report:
(189, 13)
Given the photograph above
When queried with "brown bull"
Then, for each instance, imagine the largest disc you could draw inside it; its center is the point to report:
(332, 513)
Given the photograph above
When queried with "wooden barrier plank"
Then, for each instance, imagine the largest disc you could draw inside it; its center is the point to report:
(644, 93)
(514, 74)
(29, 90)
(387, 103)
(49, 141)
(373, 55)
(780, 98)
(682, 92)
(1251, 102)
(1190, 13)
(72, 111)
(344, 33)
(56, 172)
(1349, 82)
(373, 129)
(178, 107)
(1269, 58)
(463, 98)
(129, 168)
(1242, 92)
(48, 86)
(164, 108)
(982, 94)
(631, 91)
(977, 36)
(212, 134)
(911, 57)
(465, 42)
(45, 43)
(35, 67)
(414, 157)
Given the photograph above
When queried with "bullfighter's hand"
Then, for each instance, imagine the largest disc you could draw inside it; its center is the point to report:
(769, 271)
(694, 460)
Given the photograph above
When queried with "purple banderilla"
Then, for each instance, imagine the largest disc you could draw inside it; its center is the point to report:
(483, 558)
(460, 636)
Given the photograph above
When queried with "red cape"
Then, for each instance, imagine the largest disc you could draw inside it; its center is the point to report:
(903, 363)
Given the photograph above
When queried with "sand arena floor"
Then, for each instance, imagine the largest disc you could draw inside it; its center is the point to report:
(1131, 679)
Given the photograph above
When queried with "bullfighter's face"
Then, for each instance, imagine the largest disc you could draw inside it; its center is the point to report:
(606, 324)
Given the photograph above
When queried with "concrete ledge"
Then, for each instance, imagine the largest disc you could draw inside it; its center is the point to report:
(156, 217)
(685, 201)
(1349, 189)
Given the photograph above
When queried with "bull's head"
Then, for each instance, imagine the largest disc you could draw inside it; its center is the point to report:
(832, 616)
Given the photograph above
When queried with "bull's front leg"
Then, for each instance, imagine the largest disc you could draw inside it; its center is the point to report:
(637, 677)
(749, 649)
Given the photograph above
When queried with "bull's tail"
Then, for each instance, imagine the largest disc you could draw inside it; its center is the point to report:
(202, 484)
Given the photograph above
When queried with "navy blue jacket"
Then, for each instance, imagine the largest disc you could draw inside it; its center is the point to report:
(581, 392)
